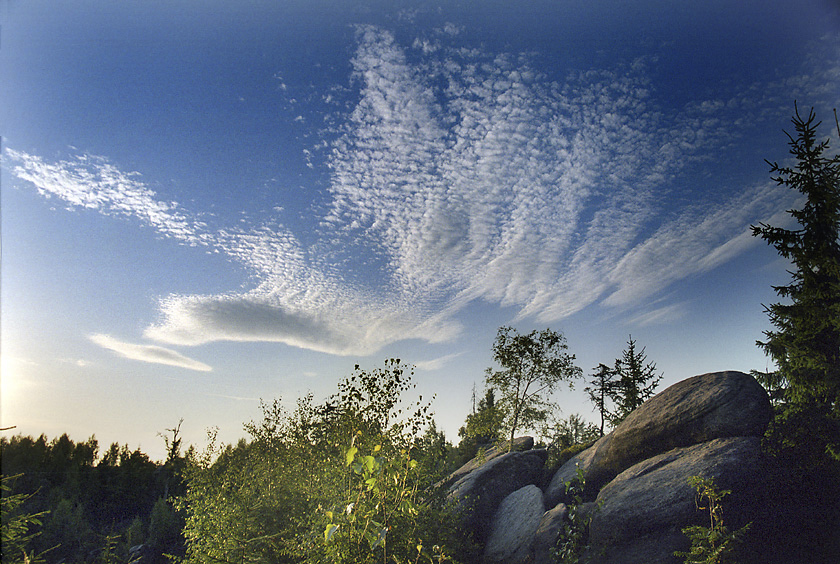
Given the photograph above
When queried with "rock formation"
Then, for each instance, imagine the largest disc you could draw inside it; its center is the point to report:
(709, 425)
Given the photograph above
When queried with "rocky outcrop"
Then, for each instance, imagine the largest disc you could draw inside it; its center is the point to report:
(545, 537)
(555, 492)
(696, 410)
(512, 532)
(478, 494)
(520, 444)
(643, 510)
(636, 478)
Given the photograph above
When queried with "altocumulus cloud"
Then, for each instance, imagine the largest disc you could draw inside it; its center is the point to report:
(468, 175)
(149, 353)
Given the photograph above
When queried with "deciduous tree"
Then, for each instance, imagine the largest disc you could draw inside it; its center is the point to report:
(532, 366)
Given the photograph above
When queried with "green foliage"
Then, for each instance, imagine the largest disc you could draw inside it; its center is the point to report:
(634, 382)
(713, 544)
(68, 530)
(532, 366)
(165, 526)
(804, 435)
(273, 498)
(17, 526)
(91, 506)
(485, 424)
(806, 342)
(483, 427)
(376, 518)
(566, 438)
(599, 391)
(574, 538)
(574, 430)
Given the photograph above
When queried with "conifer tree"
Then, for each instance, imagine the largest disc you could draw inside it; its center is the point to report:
(806, 342)
(599, 390)
(636, 381)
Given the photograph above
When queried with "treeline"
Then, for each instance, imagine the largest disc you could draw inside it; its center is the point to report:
(321, 483)
(91, 506)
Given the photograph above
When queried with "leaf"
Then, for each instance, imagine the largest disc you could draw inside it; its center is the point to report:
(329, 532)
(370, 464)
(350, 456)
(380, 538)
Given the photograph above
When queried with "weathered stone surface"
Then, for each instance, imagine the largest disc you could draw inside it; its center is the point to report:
(520, 444)
(644, 509)
(478, 494)
(555, 492)
(695, 410)
(547, 533)
(514, 527)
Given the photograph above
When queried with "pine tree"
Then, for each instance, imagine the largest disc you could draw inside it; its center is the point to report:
(806, 342)
(599, 390)
(636, 382)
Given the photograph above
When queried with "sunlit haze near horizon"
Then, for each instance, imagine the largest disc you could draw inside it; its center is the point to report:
(210, 204)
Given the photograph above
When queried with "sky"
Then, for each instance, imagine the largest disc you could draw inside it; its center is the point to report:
(209, 204)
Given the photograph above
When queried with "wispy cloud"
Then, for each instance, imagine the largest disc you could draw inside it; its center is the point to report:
(436, 363)
(92, 182)
(464, 175)
(149, 353)
(660, 315)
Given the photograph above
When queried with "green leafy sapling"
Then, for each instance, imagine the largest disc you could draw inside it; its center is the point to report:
(377, 518)
(714, 544)
(574, 538)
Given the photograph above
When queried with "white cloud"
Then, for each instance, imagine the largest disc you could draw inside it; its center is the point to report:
(435, 363)
(149, 353)
(661, 315)
(461, 176)
(92, 182)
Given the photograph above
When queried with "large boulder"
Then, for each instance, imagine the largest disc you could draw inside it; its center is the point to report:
(643, 510)
(477, 495)
(520, 444)
(555, 492)
(695, 410)
(547, 534)
(514, 527)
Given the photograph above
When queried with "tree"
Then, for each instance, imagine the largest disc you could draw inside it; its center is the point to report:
(17, 526)
(806, 342)
(636, 382)
(562, 433)
(483, 427)
(285, 495)
(804, 435)
(484, 424)
(532, 366)
(599, 390)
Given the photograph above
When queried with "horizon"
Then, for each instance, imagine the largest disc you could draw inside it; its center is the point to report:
(207, 205)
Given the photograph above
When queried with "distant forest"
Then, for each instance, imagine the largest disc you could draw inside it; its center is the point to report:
(92, 506)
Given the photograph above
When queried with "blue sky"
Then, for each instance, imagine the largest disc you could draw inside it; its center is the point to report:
(209, 203)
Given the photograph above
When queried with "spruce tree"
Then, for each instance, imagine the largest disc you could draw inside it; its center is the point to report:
(636, 381)
(599, 391)
(806, 342)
